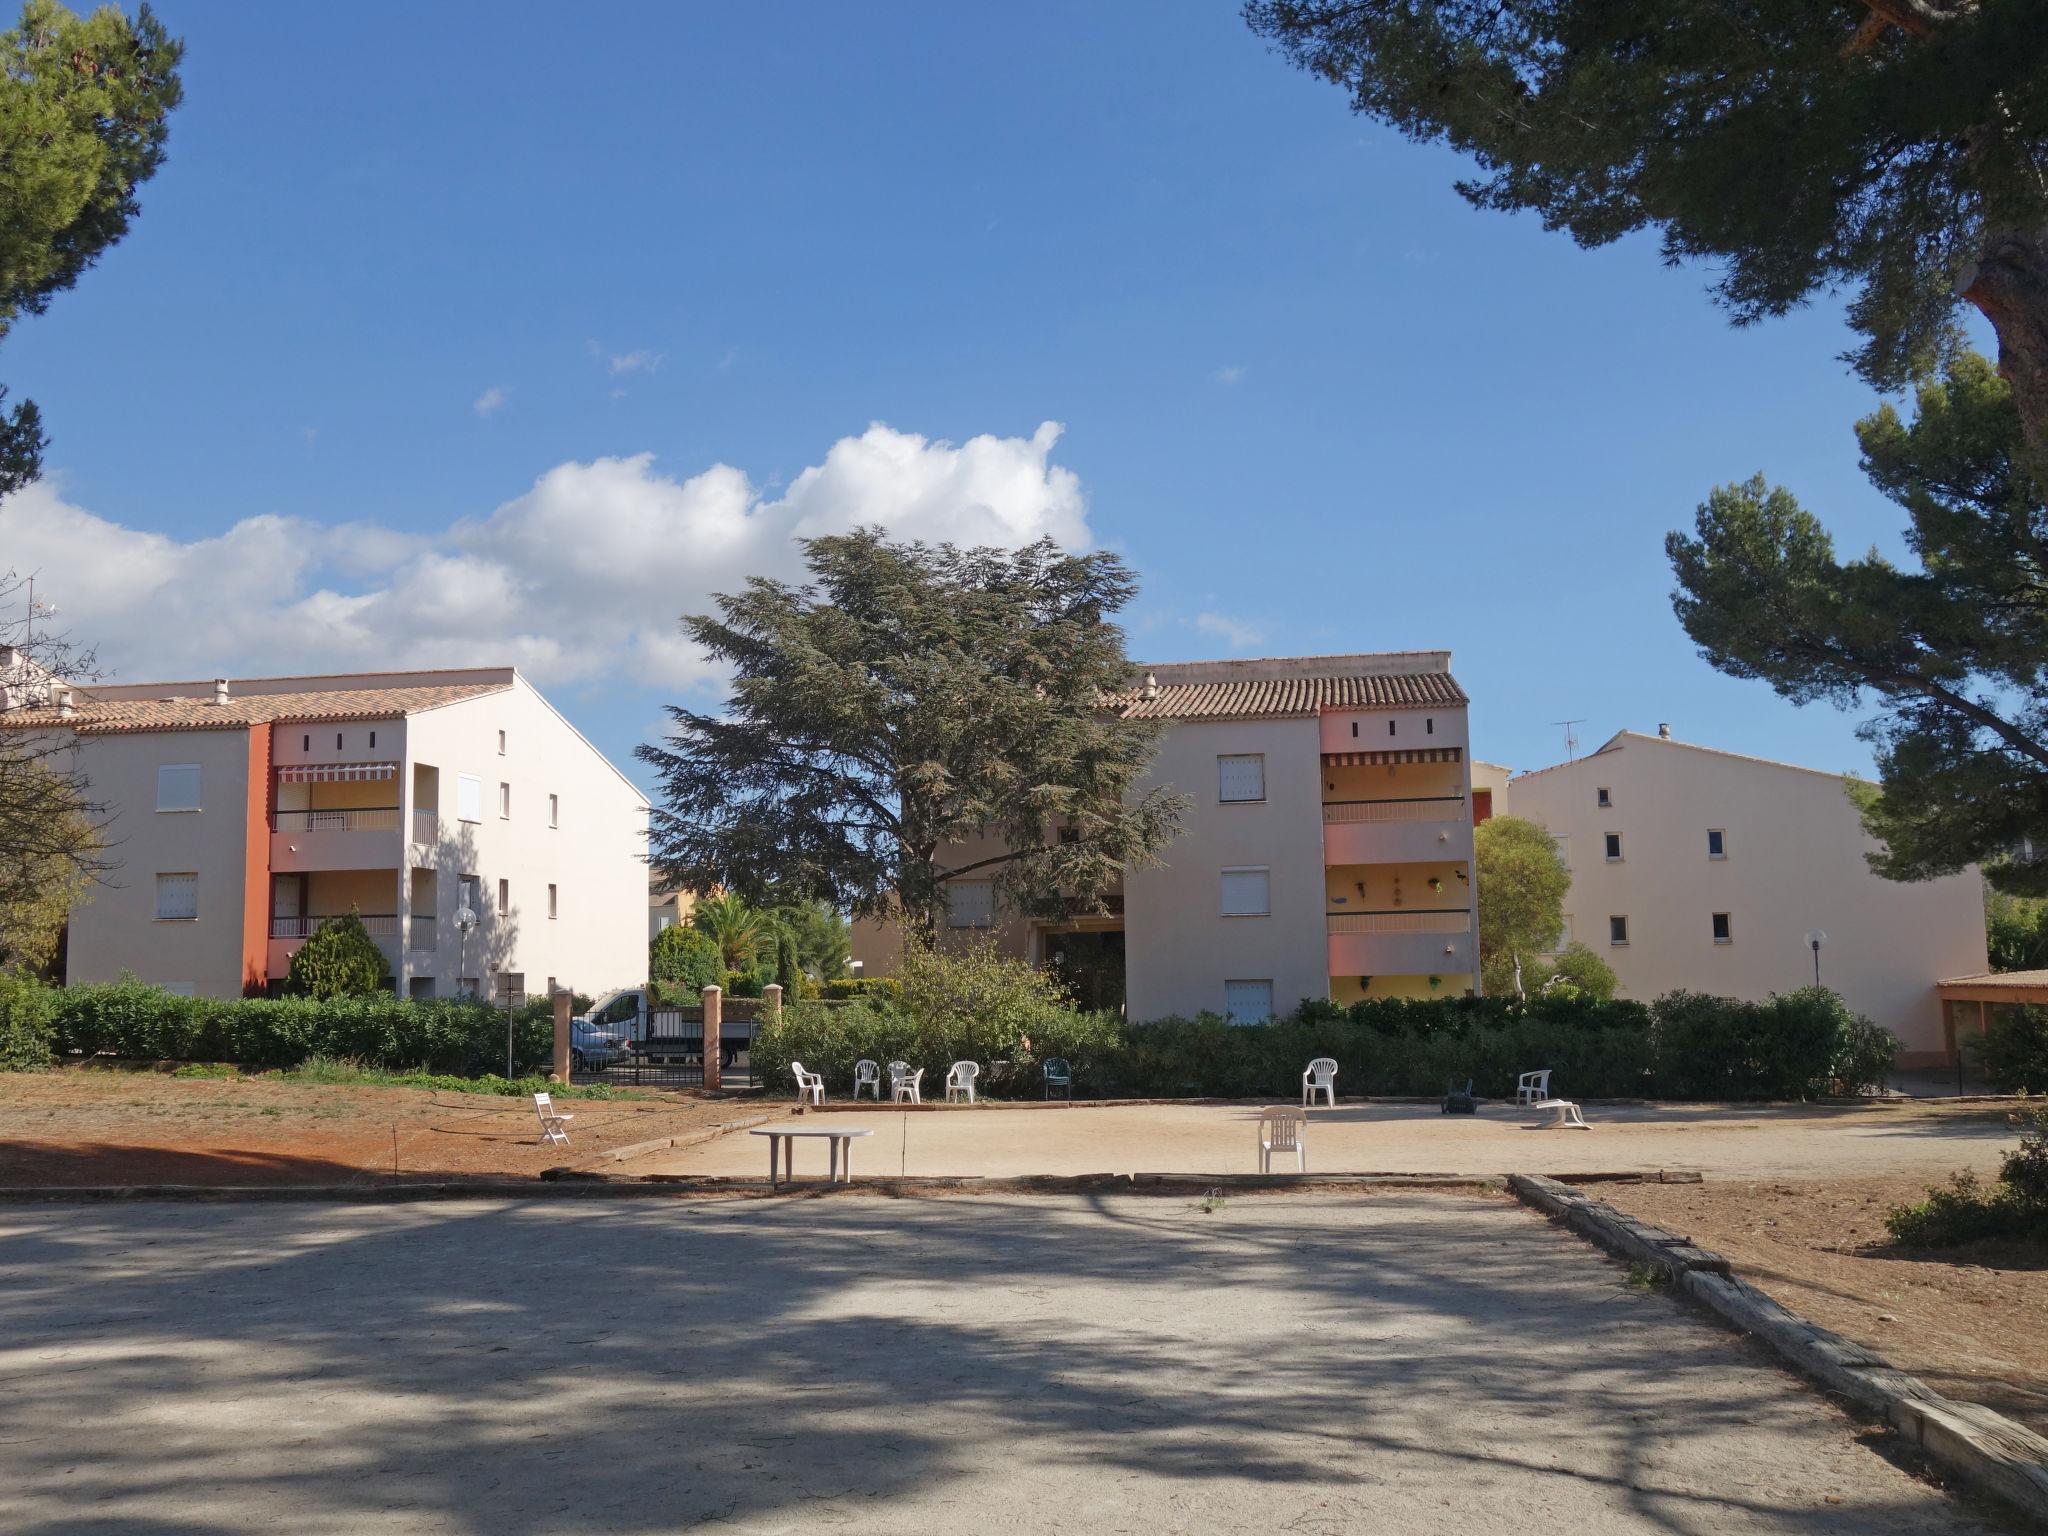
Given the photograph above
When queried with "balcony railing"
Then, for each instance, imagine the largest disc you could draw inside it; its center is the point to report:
(1412, 920)
(422, 936)
(379, 925)
(369, 818)
(426, 827)
(1423, 808)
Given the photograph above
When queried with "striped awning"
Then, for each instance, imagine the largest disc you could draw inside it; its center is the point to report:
(1409, 755)
(336, 773)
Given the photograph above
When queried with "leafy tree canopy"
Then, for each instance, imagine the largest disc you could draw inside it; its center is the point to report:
(1522, 881)
(1893, 148)
(1954, 650)
(739, 928)
(914, 714)
(824, 944)
(339, 959)
(683, 962)
(84, 103)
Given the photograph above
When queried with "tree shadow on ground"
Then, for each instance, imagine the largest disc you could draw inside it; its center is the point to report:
(1416, 1364)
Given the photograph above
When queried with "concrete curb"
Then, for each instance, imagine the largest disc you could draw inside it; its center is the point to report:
(1983, 1448)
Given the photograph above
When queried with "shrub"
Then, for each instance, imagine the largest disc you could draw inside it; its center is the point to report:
(681, 963)
(27, 1023)
(1578, 966)
(1794, 1046)
(2014, 1049)
(1965, 1211)
(840, 988)
(340, 959)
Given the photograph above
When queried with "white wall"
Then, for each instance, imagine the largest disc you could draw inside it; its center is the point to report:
(1795, 862)
(1179, 949)
(118, 928)
(595, 857)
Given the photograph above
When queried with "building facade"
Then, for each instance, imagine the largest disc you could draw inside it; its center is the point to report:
(1706, 870)
(1326, 850)
(245, 814)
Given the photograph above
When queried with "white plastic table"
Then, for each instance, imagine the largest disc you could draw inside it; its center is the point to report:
(784, 1136)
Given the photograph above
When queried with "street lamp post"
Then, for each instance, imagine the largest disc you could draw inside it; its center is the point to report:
(465, 919)
(1814, 939)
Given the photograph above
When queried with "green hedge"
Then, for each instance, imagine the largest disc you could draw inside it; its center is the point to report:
(26, 1026)
(2014, 1050)
(130, 1019)
(1683, 1046)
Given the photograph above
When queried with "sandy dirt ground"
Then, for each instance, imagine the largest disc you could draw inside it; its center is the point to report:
(1727, 1141)
(1972, 1322)
(1402, 1364)
(118, 1127)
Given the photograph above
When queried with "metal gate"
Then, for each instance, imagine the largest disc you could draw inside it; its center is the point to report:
(669, 1052)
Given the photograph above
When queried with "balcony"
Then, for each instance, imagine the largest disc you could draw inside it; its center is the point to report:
(426, 828)
(337, 837)
(1424, 941)
(1412, 830)
(371, 818)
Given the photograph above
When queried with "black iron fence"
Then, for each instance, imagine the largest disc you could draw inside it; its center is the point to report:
(667, 1050)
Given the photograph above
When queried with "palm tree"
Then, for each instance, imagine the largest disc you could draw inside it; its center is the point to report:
(737, 928)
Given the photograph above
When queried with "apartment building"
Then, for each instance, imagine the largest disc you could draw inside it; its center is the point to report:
(1327, 851)
(489, 847)
(1707, 870)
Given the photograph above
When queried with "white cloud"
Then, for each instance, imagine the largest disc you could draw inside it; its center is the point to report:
(581, 576)
(1235, 633)
(642, 361)
(1230, 373)
(490, 400)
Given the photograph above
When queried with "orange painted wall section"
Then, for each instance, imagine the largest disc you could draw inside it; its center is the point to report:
(256, 866)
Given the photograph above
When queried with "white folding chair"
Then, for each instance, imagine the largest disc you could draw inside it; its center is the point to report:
(554, 1128)
(1280, 1131)
(866, 1074)
(905, 1085)
(1321, 1077)
(1532, 1086)
(960, 1079)
(809, 1085)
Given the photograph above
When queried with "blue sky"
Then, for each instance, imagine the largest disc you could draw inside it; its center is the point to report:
(458, 332)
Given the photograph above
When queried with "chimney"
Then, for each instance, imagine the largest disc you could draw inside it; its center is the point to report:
(66, 703)
(1151, 686)
(220, 690)
(1664, 730)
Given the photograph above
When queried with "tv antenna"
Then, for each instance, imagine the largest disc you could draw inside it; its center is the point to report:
(1571, 737)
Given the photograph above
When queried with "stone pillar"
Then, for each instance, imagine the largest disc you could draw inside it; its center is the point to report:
(563, 1002)
(713, 1007)
(771, 1003)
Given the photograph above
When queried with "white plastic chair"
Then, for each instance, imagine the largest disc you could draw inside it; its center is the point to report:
(1565, 1116)
(1280, 1131)
(1532, 1086)
(866, 1074)
(554, 1128)
(905, 1085)
(960, 1079)
(809, 1085)
(1321, 1077)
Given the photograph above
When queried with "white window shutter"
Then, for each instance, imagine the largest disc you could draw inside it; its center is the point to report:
(1248, 1002)
(1241, 776)
(1246, 893)
(177, 896)
(469, 797)
(970, 903)
(177, 787)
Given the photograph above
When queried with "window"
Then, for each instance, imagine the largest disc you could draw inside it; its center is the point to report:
(1604, 799)
(1390, 727)
(1564, 936)
(1717, 843)
(373, 741)
(1614, 847)
(1723, 934)
(468, 986)
(305, 743)
(177, 898)
(1429, 726)
(420, 988)
(501, 743)
(554, 810)
(1246, 893)
(177, 787)
(1354, 729)
(1248, 1002)
(504, 895)
(337, 741)
(970, 903)
(465, 892)
(469, 797)
(1617, 930)
(1241, 776)
(553, 911)
(504, 802)
(552, 988)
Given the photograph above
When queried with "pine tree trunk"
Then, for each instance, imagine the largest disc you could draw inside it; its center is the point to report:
(2009, 285)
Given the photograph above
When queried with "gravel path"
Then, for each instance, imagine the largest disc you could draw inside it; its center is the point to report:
(1312, 1364)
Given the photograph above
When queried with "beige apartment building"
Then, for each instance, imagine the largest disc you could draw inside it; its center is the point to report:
(1327, 850)
(246, 813)
(1707, 870)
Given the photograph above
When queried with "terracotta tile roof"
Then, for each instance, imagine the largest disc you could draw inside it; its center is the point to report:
(1284, 698)
(94, 717)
